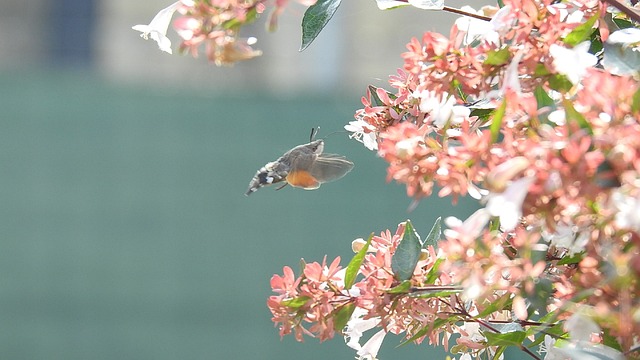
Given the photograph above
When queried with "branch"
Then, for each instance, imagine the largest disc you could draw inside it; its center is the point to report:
(631, 13)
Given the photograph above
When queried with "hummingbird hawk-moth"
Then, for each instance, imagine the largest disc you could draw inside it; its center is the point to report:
(305, 166)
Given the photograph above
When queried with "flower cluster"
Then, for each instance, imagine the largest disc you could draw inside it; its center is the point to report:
(322, 296)
(214, 25)
(517, 113)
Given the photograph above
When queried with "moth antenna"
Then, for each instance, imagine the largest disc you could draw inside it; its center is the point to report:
(335, 132)
(314, 132)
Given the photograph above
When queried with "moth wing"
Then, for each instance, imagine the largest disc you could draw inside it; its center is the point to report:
(300, 173)
(302, 179)
(330, 167)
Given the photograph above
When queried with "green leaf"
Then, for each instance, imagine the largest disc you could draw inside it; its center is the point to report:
(342, 316)
(623, 23)
(482, 114)
(513, 338)
(576, 258)
(497, 57)
(354, 265)
(573, 115)
(541, 71)
(404, 260)
(611, 341)
(498, 353)
(316, 18)
(375, 99)
(635, 105)
(403, 288)
(555, 331)
(494, 224)
(502, 303)
(542, 98)
(542, 292)
(434, 273)
(426, 294)
(581, 32)
(296, 303)
(560, 83)
(434, 235)
(437, 323)
(496, 121)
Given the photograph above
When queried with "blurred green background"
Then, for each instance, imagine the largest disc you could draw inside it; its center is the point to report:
(124, 231)
(126, 234)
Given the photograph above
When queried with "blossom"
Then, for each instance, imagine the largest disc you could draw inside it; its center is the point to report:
(420, 4)
(508, 204)
(356, 327)
(567, 237)
(474, 30)
(552, 352)
(158, 26)
(442, 108)
(581, 327)
(628, 214)
(572, 63)
(364, 133)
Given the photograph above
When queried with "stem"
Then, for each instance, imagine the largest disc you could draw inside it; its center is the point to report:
(464, 13)
(631, 13)
(460, 12)
(522, 347)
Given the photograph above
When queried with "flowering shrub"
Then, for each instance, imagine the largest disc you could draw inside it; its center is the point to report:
(536, 113)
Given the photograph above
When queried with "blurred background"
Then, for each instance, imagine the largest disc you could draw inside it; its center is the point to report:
(124, 231)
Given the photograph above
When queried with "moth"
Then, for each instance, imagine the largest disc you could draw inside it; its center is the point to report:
(305, 166)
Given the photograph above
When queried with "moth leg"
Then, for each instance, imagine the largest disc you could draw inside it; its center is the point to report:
(285, 184)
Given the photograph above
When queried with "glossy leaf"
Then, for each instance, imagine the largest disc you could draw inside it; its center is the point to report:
(513, 338)
(354, 265)
(496, 121)
(573, 115)
(296, 303)
(434, 235)
(403, 288)
(542, 98)
(316, 18)
(498, 57)
(581, 32)
(342, 316)
(404, 260)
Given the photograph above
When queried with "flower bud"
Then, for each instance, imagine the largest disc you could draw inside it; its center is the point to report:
(358, 244)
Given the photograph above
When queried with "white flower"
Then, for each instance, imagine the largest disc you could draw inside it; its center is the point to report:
(508, 204)
(628, 37)
(441, 109)
(355, 329)
(420, 4)
(579, 344)
(158, 26)
(573, 63)
(511, 76)
(470, 227)
(477, 30)
(622, 52)
(568, 237)
(580, 327)
(364, 133)
(628, 215)
(473, 332)
(550, 348)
